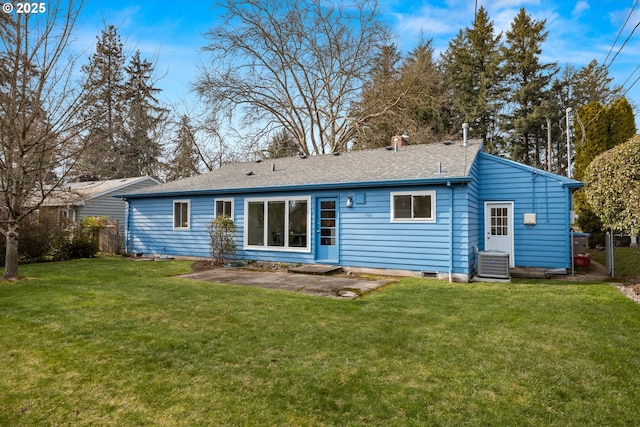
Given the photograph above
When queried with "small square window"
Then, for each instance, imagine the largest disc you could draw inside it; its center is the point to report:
(181, 214)
(224, 207)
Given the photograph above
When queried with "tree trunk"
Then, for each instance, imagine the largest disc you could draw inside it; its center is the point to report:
(11, 255)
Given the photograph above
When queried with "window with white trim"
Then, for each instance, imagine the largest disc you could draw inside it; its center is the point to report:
(277, 223)
(413, 206)
(224, 207)
(181, 210)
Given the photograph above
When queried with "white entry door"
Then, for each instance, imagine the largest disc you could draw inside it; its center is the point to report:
(498, 228)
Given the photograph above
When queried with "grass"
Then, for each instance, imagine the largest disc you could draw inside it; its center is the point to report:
(115, 342)
(627, 261)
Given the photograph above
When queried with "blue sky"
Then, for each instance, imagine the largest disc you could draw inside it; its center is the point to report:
(171, 32)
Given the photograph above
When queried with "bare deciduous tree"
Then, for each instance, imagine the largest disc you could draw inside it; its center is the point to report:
(293, 65)
(39, 113)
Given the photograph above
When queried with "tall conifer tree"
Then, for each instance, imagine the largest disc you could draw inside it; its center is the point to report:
(527, 83)
(422, 112)
(105, 75)
(140, 148)
(184, 163)
(472, 73)
(380, 97)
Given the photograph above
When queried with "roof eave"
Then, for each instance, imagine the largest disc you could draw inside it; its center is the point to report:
(120, 187)
(302, 187)
(575, 185)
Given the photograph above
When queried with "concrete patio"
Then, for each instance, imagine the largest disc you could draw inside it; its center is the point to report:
(316, 282)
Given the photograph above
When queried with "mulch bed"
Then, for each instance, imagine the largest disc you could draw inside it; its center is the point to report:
(203, 265)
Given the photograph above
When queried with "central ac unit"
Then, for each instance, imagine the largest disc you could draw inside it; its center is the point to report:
(493, 264)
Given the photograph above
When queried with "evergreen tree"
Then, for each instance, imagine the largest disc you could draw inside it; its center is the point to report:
(282, 145)
(471, 66)
(600, 128)
(140, 149)
(380, 97)
(421, 107)
(591, 136)
(406, 98)
(186, 158)
(527, 83)
(592, 84)
(621, 123)
(104, 74)
(591, 139)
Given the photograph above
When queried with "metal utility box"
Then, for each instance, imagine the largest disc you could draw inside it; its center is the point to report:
(493, 264)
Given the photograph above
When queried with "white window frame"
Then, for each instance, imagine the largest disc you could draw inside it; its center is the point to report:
(68, 214)
(430, 193)
(173, 215)
(265, 247)
(223, 200)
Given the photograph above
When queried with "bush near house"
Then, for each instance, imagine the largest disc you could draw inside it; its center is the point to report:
(85, 242)
(45, 236)
(41, 236)
(222, 232)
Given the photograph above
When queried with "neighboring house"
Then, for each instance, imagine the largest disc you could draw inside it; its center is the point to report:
(78, 200)
(420, 209)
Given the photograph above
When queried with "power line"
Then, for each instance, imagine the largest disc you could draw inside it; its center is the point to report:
(620, 33)
(629, 78)
(632, 85)
(623, 44)
(603, 107)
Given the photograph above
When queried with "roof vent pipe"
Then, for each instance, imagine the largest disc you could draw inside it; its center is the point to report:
(465, 132)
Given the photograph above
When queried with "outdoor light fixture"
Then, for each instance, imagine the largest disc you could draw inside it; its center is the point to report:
(349, 201)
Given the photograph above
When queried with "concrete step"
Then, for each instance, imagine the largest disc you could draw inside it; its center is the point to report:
(318, 269)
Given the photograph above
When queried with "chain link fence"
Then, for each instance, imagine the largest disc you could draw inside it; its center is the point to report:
(623, 257)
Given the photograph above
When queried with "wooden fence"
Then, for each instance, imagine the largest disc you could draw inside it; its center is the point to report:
(109, 240)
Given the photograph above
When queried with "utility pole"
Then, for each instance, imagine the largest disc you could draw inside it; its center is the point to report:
(548, 144)
(567, 111)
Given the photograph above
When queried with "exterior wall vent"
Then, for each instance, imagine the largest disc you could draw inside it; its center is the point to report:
(493, 264)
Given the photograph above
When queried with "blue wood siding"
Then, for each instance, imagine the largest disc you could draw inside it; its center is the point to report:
(545, 244)
(475, 213)
(367, 237)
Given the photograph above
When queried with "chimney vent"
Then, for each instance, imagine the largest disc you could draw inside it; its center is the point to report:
(465, 133)
(399, 141)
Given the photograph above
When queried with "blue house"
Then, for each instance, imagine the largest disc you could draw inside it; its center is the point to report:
(418, 209)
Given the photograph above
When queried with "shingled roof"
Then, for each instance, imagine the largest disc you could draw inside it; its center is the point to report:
(76, 193)
(437, 162)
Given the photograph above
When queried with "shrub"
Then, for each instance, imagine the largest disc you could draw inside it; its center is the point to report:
(81, 246)
(222, 231)
(41, 235)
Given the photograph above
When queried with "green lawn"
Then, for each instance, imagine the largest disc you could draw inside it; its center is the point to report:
(627, 261)
(116, 342)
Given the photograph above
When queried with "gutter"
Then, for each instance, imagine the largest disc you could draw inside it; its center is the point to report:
(305, 187)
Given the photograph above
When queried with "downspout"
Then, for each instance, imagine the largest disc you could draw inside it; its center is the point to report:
(127, 225)
(450, 231)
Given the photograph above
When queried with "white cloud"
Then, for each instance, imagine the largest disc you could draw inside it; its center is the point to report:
(428, 20)
(580, 7)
